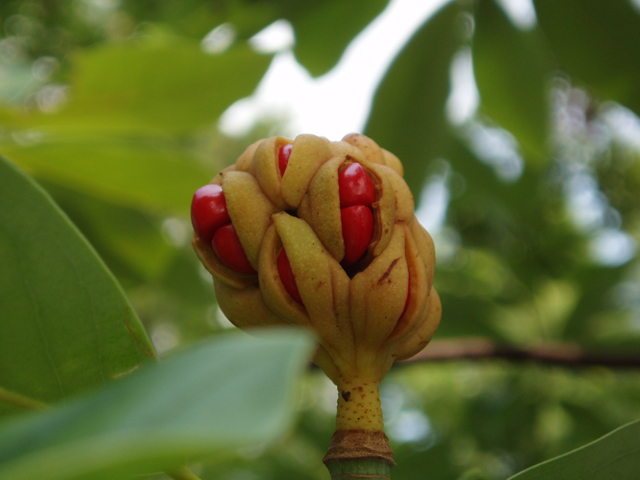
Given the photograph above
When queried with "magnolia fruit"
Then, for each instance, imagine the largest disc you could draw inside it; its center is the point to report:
(323, 235)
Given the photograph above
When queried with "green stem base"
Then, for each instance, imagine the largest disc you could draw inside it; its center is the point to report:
(361, 468)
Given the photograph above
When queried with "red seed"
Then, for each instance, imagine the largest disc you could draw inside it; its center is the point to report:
(208, 211)
(356, 188)
(283, 157)
(286, 276)
(227, 247)
(357, 230)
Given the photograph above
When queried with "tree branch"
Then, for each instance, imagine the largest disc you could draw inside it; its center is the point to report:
(566, 354)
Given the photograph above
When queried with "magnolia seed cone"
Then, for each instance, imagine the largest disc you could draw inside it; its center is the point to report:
(355, 312)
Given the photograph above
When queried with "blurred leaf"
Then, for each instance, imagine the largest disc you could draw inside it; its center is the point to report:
(512, 71)
(597, 42)
(407, 116)
(175, 86)
(613, 456)
(323, 29)
(229, 392)
(130, 242)
(119, 137)
(159, 84)
(191, 18)
(153, 176)
(514, 238)
(153, 86)
(67, 325)
(466, 314)
(151, 258)
(17, 82)
(522, 221)
(596, 283)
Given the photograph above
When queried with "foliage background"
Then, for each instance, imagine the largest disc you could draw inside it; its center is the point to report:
(113, 107)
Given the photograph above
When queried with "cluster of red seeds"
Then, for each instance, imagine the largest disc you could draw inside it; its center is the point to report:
(212, 224)
(357, 194)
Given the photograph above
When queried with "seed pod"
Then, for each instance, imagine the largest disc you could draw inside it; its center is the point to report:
(329, 227)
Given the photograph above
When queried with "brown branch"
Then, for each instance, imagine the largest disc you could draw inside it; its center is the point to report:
(566, 354)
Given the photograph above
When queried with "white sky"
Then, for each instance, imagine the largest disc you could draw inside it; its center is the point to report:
(287, 90)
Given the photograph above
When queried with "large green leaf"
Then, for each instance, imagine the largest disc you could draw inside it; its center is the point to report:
(66, 325)
(153, 176)
(408, 110)
(225, 393)
(161, 85)
(597, 42)
(615, 455)
(512, 71)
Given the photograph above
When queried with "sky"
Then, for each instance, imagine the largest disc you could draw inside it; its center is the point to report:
(288, 91)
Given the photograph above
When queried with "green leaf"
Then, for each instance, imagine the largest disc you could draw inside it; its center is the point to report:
(408, 110)
(512, 74)
(153, 176)
(154, 87)
(130, 242)
(66, 324)
(127, 134)
(232, 391)
(596, 42)
(613, 456)
(174, 86)
(324, 29)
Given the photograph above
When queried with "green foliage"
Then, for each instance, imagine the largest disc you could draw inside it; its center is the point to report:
(225, 393)
(324, 29)
(508, 62)
(407, 117)
(595, 41)
(122, 130)
(612, 456)
(66, 324)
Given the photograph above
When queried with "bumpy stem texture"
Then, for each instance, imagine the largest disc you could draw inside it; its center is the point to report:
(359, 405)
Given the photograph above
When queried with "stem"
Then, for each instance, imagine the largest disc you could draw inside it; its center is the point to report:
(359, 406)
(359, 448)
(364, 468)
(359, 454)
